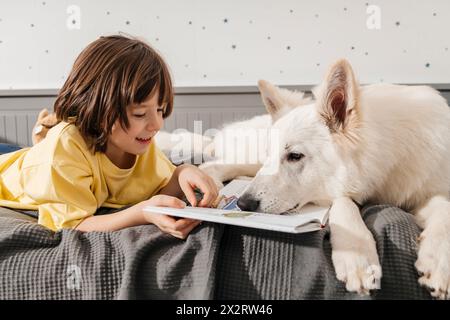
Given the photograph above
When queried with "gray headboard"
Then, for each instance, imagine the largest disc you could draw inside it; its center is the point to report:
(214, 106)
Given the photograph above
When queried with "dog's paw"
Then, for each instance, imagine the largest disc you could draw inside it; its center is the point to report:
(433, 263)
(357, 270)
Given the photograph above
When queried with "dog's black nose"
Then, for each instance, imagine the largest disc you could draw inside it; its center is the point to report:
(247, 203)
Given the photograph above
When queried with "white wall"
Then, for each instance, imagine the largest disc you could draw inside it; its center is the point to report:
(233, 42)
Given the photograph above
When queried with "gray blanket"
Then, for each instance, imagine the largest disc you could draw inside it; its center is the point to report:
(134, 263)
(258, 265)
(214, 262)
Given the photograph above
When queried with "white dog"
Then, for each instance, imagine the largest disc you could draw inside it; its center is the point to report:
(366, 144)
(240, 148)
(381, 143)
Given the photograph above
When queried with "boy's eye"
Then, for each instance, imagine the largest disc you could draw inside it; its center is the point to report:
(139, 115)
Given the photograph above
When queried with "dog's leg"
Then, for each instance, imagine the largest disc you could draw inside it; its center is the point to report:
(433, 262)
(354, 252)
(221, 172)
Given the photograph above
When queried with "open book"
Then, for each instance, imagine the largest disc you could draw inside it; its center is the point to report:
(310, 218)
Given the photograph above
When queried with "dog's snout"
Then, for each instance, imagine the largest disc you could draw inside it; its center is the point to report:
(247, 203)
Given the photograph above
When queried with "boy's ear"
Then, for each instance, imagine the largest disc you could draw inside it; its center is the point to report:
(338, 98)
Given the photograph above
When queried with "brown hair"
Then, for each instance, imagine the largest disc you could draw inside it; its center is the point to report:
(110, 74)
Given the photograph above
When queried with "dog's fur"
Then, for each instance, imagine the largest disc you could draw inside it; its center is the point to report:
(380, 143)
(234, 151)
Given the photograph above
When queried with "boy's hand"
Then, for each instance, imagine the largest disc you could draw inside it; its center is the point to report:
(178, 228)
(189, 178)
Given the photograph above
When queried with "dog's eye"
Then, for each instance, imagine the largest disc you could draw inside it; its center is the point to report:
(295, 156)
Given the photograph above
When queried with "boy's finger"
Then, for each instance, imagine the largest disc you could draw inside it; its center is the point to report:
(208, 197)
(190, 195)
(177, 234)
(213, 186)
(169, 201)
(164, 221)
(216, 202)
(183, 223)
(189, 228)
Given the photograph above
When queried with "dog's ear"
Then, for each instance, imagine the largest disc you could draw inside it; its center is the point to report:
(279, 101)
(338, 99)
(271, 97)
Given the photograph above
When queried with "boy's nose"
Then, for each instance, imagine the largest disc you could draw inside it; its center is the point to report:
(154, 126)
(247, 203)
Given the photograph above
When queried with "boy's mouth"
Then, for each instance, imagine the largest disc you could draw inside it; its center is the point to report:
(144, 140)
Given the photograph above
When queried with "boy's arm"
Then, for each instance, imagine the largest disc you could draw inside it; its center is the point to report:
(186, 180)
(129, 217)
(173, 187)
(135, 215)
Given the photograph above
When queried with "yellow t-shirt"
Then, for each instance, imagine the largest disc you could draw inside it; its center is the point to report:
(62, 179)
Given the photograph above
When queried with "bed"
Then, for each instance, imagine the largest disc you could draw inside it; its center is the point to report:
(214, 262)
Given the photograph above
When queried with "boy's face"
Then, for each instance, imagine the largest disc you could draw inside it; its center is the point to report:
(145, 120)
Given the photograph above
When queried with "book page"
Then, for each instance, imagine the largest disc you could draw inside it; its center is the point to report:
(313, 219)
(234, 188)
(229, 195)
(310, 217)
